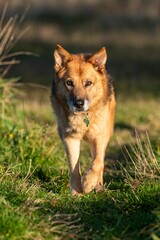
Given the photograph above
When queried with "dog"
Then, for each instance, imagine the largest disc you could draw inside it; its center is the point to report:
(83, 100)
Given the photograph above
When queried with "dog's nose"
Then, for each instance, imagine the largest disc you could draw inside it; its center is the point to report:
(78, 103)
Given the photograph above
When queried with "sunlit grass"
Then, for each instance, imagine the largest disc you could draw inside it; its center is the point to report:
(34, 177)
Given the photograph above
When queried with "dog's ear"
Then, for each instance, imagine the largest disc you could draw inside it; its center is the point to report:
(99, 59)
(61, 57)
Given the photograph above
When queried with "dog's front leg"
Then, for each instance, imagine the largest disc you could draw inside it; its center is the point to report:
(94, 177)
(72, 147)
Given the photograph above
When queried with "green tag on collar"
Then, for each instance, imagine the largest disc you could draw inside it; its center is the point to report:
(86, 120)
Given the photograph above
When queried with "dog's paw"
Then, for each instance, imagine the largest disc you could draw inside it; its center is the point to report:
(99, 188)
(90, 181)
(76, 190)
(75, 193)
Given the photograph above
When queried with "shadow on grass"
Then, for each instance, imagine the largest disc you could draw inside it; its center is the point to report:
(124, 126)
(112, 214)
(118, 213)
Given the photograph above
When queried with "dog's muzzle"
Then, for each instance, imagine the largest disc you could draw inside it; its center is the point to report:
(78, 105)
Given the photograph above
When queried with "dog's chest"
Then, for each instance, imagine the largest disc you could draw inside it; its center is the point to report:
(87, 126)
(76, 125)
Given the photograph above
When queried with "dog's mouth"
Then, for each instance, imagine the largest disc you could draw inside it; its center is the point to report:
(78, 110)
(75, 110)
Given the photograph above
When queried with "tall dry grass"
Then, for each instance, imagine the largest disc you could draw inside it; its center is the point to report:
(141, 162)
(9, 37)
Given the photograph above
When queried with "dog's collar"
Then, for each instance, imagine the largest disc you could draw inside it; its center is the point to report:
(86, 120)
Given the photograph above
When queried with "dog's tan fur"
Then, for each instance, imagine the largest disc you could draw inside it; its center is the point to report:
(83, 76)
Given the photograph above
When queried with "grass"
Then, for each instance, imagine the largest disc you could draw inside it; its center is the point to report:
(35, 201)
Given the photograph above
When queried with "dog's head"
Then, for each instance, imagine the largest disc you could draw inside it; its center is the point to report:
(80, 78)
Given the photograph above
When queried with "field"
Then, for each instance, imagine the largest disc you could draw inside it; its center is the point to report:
(35, 200)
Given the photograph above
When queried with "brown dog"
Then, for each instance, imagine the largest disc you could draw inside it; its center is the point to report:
(84, 103)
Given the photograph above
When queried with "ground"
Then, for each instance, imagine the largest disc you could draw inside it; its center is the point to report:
(35, 199)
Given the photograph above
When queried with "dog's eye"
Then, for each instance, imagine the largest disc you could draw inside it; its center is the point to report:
(69, 83)
(88, 83)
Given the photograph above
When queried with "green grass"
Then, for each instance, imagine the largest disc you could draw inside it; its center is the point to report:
(35, 202)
